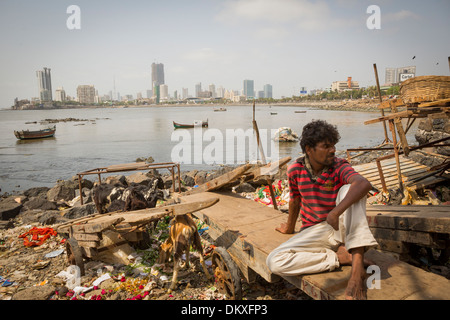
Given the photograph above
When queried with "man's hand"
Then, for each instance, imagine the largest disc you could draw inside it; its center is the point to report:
(333, 220)
(284, 228)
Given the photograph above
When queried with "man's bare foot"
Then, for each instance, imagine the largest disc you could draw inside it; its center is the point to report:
(356, 288)
(345, 257)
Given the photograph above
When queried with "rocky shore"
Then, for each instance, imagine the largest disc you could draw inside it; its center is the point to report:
(40, 272)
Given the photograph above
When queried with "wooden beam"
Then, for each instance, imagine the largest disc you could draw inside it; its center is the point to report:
(401, 114)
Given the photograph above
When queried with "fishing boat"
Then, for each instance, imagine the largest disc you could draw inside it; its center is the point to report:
(37, 134)
(203, 124)
(300, 111)
(221, 109)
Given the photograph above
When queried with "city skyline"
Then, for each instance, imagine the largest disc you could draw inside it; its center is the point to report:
(289, 44)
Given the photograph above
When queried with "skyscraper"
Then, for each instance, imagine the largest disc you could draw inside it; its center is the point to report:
(45, 85)
(157, 74)
(267, 91)
(391, 76)
(249, 90)
(198, 89)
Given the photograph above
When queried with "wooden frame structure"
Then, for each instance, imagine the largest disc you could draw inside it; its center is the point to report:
(134, 166)
(421, 108)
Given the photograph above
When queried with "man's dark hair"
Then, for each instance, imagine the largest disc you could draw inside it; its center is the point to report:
(318, 131)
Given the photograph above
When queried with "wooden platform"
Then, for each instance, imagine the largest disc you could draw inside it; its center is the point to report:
(410, 171)
(397, 227)
(247, 230)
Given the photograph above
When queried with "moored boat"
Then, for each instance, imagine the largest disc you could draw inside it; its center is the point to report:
(36, 134)
(203, 124)
(221, 109)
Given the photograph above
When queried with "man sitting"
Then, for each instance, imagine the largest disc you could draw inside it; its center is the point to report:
(331, 199)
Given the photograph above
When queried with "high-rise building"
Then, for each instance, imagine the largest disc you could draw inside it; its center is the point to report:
(212, 89)
(164, 92)
(60, 94)
(185, 93)
(405, 73)
(45, 85)
(86, 94)
(220, 92)
(391, 76)
(398, 75)
(249, 90)
(198, 89)
(157, 74)
(268, 91)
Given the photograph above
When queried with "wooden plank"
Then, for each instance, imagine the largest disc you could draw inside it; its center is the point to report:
(139, 217)
(434, 103)
(219, 182)
(98, 226)
(413, 218)
(401, 114)
(416, 237)
(88, 244)
(238, 224)
(399, 281)
(411, 170)
(86, 236)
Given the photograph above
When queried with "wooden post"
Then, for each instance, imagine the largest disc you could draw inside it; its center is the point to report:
(263, 158)
(386, 138)
(396, 153)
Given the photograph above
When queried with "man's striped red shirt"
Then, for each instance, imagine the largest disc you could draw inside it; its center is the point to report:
(318, 197)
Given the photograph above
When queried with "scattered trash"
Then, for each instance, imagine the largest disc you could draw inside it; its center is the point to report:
(54, 253)
(38, 236)
(285, 134)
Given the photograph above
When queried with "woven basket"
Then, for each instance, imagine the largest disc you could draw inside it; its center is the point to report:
(424, 89)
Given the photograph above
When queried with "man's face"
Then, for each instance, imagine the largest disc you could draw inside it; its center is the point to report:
(322, 154)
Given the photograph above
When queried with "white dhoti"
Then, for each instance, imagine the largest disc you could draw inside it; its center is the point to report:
(314, 249)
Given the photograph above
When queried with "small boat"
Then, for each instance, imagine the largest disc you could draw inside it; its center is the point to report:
(273, 113)
(203, 124)
(37, 134)
(300, 111)
(221, 109)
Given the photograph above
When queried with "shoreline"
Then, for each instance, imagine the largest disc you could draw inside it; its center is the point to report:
(361, 105)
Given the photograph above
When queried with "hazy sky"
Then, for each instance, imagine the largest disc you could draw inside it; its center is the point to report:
(286, 43)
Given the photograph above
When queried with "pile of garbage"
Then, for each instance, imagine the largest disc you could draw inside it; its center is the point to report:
(262, 194)
(285, 134)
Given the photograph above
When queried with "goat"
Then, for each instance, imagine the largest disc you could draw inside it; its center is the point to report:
(183, 233)
(105, 195)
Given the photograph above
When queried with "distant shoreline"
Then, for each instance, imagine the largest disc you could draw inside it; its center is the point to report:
(342, 105)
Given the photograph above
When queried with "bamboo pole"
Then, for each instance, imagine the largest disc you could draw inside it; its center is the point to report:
(386, 138)
(263, 158)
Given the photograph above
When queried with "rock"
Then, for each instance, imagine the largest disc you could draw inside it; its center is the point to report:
(64, 190)
(244, 187)
(188, 180)
(35, 293)
(40, 203)
(36, 192)
(139, 178)
(9, 208)
(81, 211)
(52, 217)
(117, 180)
(85, 183)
